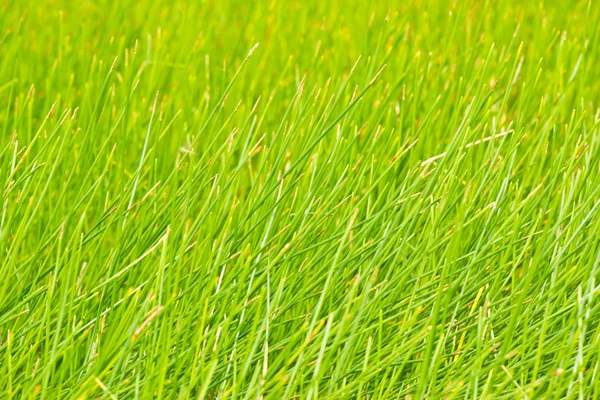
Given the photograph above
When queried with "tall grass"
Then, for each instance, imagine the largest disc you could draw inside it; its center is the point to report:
(299, 199)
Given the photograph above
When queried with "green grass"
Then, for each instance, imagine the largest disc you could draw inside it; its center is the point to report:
(299, 199)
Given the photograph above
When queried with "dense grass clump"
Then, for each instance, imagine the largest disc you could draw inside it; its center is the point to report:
(299, 199)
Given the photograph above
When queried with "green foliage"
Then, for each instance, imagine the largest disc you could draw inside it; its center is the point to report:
(299, 199)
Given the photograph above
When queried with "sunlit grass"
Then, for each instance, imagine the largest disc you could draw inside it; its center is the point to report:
(299, 199)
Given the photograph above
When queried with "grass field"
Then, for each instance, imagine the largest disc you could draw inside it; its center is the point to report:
(299, 199)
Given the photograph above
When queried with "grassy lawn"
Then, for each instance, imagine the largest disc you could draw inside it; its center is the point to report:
(274, 199)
